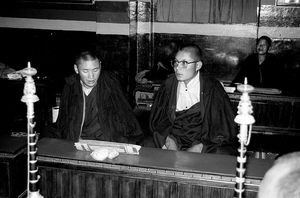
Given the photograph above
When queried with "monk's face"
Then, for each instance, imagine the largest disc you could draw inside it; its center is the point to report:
(89, 72)
(187, 65)
(262, 47)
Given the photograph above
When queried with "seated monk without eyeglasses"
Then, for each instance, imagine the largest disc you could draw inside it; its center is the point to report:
(93, 106)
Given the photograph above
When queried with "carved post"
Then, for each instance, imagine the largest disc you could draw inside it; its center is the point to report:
(245, 121)
(30, 98)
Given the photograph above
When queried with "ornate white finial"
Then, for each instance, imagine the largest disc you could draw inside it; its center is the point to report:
(29, 88)
(245, 81)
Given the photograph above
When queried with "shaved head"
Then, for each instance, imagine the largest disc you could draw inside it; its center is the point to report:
(283, 179)
(194, 51)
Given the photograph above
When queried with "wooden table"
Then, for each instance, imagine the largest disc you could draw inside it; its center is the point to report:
(67, 172)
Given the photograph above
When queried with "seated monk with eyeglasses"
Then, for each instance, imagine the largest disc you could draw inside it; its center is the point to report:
(191, 110)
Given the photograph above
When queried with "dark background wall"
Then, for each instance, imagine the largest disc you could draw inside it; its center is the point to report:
(127, 37)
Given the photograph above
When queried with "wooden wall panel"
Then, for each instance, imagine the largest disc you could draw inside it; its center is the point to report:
(13, 166)
(4, 184)
(295, 121)
(78, 183)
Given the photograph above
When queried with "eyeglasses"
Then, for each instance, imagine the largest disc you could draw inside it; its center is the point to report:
(175, 63)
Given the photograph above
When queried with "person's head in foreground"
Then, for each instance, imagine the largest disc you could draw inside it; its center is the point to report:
(187, 63)
(88, 67)
(282, 180)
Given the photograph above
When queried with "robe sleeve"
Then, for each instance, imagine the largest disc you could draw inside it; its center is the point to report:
(62, 119)
(159, 121)
(116, 114)
(70, 112)
(219, 127)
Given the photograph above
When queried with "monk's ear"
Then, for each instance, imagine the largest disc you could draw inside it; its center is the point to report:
(76, 69)
(199, 65)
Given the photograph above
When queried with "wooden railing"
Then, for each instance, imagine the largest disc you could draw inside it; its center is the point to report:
(274, 114)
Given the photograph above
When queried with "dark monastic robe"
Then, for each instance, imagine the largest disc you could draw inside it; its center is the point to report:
(210, 121)
(91, 128)
(269, 74)
(115, 116)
